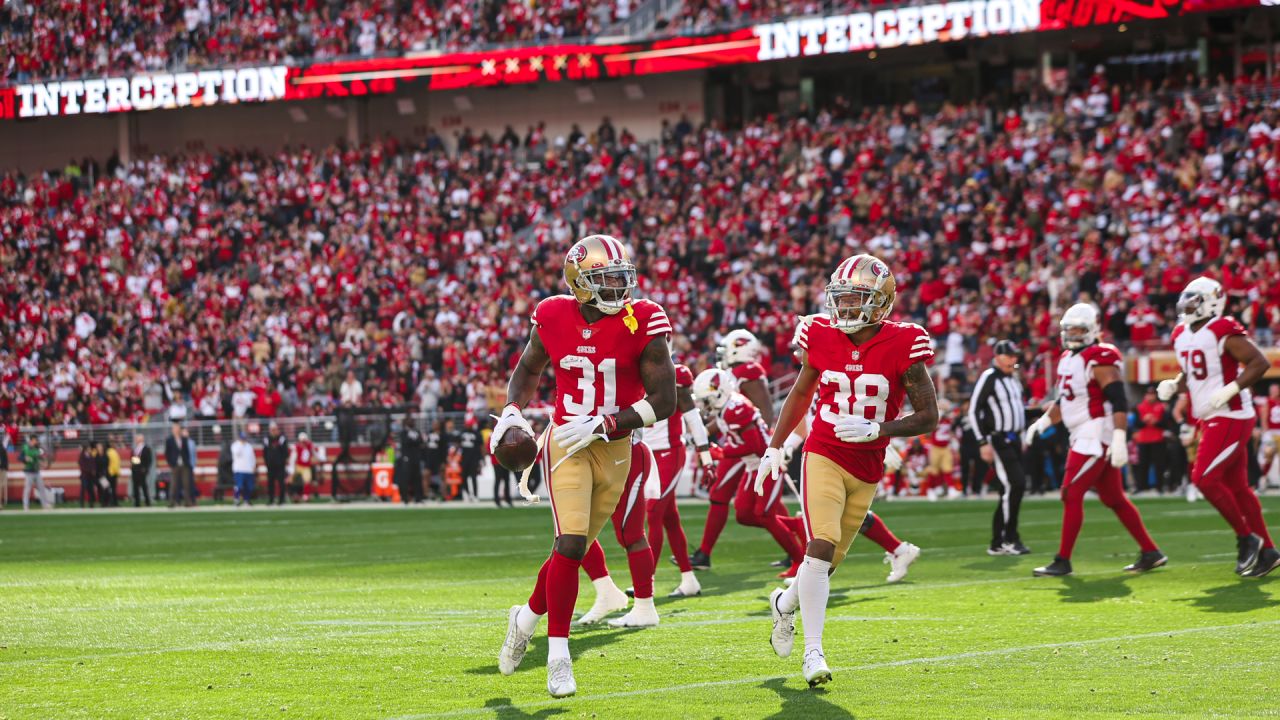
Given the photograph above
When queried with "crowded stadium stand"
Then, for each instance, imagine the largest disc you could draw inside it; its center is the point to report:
(246, 259)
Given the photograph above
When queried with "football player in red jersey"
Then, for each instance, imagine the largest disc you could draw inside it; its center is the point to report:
(741, 436)
(1219, 364)
(1092, 403)
(613, 374)
(668, 445)
(861, 365)
(628, 528)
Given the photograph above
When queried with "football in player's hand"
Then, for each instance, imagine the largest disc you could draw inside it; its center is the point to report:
(517, 450)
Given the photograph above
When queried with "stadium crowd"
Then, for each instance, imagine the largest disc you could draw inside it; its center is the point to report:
(238, 283)
(47, 40)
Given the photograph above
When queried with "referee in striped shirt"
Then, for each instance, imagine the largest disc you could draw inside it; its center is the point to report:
(998, 415)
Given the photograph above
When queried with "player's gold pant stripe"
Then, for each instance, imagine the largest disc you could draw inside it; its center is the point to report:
(835, 503)
(585, 487)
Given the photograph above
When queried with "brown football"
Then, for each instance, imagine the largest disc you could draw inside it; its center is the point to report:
(517, 450)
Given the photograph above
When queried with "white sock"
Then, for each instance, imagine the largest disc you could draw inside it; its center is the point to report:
(688, 578)
(790, 598)
(604, 585)
(643, 604)
(527, 620)
(814, 586)
(557, 648)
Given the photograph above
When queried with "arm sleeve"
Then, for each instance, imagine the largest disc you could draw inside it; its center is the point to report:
(978, 403)
(697, 430)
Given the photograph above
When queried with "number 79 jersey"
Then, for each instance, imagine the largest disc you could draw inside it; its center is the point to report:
(863, 380)
(597, 365)
(1207, 368)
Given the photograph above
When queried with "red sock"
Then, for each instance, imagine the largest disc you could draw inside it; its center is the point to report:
(717, 516)
(880, 534)
(1072, 519)
(562, 594)
(1132, 520)
(538, 600)
(641, 562)
(655, 513)
(1252, 511)
(593, 562)
(679, 544)
(794, 524)
(784, 537)
(1224, 500)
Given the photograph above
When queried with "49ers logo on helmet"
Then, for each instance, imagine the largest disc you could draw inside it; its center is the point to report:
(878, 269)
(577, 254)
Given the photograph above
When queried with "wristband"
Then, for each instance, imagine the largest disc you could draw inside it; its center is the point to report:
(513, 404)
(704, 457)
(610, 424)
(646, 413)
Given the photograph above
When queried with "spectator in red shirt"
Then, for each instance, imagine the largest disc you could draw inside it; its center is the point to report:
(1150, 439)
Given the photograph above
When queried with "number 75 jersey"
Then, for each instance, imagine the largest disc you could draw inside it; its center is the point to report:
(597, 365)
(864, 380)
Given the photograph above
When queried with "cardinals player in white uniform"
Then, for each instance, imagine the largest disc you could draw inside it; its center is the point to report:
(1219, 364)
(861, 365)
(1092, 403)
(613, 375)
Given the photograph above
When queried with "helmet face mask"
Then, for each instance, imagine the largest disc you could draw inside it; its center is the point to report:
(860, 294)
(1202, 299)
(855, 307)
(1079, 326)
(599, 273)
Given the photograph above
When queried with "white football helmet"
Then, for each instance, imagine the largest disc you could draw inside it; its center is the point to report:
(1080, 327)
(1202, 299)
(712, 389)
(739, 346)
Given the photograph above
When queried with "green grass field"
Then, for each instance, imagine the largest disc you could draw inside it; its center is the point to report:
(394, 613)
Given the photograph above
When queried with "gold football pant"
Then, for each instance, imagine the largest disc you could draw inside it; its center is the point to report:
(835, 503)
(585, 488)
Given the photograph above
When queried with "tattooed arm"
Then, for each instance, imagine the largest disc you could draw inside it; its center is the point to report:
(924, 404)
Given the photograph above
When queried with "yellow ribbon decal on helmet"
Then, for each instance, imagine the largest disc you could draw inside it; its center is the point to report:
(630, 320)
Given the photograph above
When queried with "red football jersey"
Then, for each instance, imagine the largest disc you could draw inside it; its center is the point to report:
(597, 365)
(666, 434)
(1273, 414)
(745, 372)
(863, 379)
(741, 427)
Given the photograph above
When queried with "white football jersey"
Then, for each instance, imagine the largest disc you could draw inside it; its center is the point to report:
(1080, 397)
(1208, 368)
(658, 435)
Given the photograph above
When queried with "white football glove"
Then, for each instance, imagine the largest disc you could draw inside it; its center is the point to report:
(1118, 453)
(1167, 389)
(855, 429)
(1221, 397)
(892, 459)
(770, 466)
(1040, 425)
(789, 447)
(579, 431)
(510, 418)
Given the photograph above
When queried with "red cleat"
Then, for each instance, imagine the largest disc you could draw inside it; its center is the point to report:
(791, 571)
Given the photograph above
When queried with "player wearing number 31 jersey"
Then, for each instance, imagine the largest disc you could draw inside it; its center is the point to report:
(613, 374)
(861, 366)
(1219, 365)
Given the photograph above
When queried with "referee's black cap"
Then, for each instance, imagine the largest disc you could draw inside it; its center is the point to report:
(1007, 347)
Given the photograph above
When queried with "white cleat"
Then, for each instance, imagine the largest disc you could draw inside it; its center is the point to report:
(688, 587)
(784, 626)
(643, 614)
(609, 600)
(789, 581)
(560, 682)
(899, 560)
(816, 671)
(1193, 493)
(515, 646)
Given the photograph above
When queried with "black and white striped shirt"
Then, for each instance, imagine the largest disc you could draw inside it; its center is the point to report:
(996, 405)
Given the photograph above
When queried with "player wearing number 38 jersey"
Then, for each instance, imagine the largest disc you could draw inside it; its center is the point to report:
(861, 365)
(613, 374)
